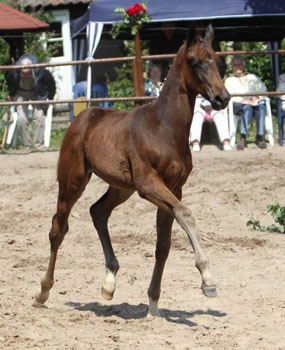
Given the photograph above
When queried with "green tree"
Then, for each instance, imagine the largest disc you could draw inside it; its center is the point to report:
(123, 85)
(4, 60)
(259, 64)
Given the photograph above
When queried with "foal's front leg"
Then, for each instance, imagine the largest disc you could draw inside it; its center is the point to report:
(100, 213)
(186, 220)
(155, 191)
(164, 226)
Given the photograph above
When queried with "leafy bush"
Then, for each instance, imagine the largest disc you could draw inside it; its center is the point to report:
(123, 85)
(56, 137)
(277, 212)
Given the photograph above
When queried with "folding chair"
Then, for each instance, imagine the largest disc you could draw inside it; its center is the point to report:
(80, 106)
(98, 89)
(234, 119)
(281, 116)
(12, 136)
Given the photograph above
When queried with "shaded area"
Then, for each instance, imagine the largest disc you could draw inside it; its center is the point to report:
(136, 312)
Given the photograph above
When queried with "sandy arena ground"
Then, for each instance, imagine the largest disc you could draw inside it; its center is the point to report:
(224, 189)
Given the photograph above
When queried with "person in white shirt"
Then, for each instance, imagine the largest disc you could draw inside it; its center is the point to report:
(247, 107)
(203, 111)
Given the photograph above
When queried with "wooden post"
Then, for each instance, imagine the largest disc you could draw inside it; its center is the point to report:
(138, 68)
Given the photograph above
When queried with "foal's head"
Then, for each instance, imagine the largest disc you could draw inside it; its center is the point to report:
(200, 70)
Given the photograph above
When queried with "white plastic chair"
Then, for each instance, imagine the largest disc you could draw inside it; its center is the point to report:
(12, 136)
(234, 119)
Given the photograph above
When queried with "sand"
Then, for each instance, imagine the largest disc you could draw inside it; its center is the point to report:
(223, 191)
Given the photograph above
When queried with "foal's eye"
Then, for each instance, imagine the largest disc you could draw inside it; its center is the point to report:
(197, 64)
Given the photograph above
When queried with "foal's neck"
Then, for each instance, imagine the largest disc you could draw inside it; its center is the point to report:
(175, 102)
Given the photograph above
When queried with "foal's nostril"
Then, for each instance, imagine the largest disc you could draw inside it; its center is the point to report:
(219, 99)
(222, 99)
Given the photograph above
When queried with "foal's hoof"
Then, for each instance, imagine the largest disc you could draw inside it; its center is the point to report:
(40, 299)
(210, 292)
(109, 285)
(107, 295)
(153, 310)
(39, 305)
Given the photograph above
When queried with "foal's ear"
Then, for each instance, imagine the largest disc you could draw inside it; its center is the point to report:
(191, 35)
(209, 34)
(194, 33)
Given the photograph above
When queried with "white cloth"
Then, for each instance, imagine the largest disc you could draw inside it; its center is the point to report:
(244, 84)
(220, 118)
(281, 87)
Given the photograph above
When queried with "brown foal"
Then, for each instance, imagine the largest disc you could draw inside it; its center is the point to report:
(144, 150)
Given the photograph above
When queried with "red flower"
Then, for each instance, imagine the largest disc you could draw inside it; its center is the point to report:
(135, 9)
(130, 11)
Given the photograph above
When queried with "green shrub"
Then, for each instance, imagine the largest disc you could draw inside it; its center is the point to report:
(56, 137)
(123, 85)
(277, 212)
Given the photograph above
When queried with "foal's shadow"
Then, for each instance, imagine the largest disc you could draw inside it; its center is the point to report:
(136, 312)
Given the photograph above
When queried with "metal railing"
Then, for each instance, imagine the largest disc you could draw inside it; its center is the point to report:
(125, 59)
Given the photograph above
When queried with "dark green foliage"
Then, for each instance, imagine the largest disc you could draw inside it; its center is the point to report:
(259, 64)
(4, 60)
(123, 85)
(56, 137)
(278, 213)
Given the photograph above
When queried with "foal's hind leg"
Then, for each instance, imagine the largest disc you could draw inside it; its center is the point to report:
(164, 225)
(100, 213)
(72, 183)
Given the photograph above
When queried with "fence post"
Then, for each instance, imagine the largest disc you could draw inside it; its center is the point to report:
(138, 80)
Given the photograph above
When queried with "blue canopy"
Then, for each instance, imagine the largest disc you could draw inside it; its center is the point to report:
(258, 20)
(267, 11)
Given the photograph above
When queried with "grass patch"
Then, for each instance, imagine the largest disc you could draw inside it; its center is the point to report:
(56, 138)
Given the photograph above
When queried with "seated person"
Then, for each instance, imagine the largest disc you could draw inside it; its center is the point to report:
(153, 85)
(203, 111)
(31, 84)
(247, 107)
(281, 87)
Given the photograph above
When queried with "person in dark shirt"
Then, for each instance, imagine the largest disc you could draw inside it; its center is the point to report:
(30, 84)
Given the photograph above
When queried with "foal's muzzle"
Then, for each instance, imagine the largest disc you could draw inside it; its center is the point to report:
(221, 101)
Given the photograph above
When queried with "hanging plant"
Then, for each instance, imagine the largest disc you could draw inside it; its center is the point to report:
(133, 18)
